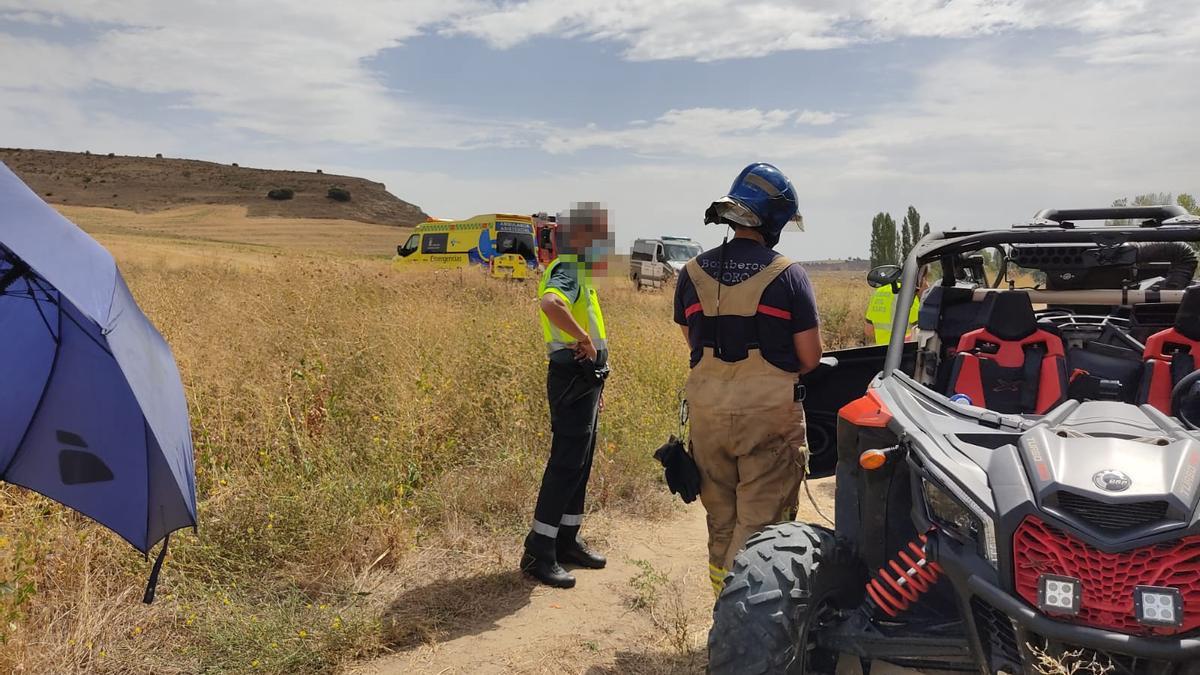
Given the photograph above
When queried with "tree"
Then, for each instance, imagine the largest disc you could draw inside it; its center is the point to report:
(1152, 199)
(1188, 202)
(884, 249)
(911, 232)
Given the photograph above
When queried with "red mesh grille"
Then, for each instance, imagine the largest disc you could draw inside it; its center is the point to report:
(1109, 578)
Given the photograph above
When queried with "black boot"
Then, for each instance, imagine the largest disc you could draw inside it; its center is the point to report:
(569, 548)
(541, 563)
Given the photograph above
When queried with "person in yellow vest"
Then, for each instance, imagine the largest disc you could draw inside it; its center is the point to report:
(750, 320)
(880, 310)
(577, 350)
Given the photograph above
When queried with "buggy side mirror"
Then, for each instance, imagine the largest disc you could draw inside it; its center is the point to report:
(884, 275)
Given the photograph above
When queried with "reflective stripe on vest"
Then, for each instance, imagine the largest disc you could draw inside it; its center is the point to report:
(585, 310)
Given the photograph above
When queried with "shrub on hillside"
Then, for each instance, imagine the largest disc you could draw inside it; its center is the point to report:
(338, 194)
(281, 194)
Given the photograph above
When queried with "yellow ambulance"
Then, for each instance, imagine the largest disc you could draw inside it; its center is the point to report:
(502, 243)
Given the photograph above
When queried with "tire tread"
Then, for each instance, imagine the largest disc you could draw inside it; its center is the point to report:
(757, 616)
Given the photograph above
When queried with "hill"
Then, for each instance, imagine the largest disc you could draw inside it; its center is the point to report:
(837, 265)
(151, 184)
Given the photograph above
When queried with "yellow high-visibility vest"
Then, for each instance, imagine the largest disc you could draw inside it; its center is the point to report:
(881, 309)
(585, 310)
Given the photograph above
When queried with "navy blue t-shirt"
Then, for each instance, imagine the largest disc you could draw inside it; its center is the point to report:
(788, 307)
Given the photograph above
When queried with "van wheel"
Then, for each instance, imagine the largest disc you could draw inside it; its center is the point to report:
(784, 588)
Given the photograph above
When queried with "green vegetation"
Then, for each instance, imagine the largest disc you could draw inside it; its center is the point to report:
(889, 247)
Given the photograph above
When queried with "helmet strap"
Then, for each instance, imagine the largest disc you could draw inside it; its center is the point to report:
(770, 238)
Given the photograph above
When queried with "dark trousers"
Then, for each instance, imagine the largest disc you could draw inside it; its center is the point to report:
(574, 396)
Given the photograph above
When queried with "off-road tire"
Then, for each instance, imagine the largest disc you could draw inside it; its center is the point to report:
(780, 581)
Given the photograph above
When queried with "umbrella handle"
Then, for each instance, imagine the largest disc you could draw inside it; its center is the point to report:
(152, 583)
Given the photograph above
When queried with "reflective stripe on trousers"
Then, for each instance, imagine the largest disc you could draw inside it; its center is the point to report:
(574, 398)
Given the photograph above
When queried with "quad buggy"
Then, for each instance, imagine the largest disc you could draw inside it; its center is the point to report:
(1019, 482)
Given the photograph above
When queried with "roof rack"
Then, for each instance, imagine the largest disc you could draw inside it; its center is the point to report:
(1151, 216)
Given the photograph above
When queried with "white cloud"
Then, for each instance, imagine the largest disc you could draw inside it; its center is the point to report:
(979, 141)
(977, 138)
(706, 132)
(287, 70)
(32, 18)
(817, 118)
(301, 73)
(709, 30)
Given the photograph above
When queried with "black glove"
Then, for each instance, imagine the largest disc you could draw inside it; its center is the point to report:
(679, 469)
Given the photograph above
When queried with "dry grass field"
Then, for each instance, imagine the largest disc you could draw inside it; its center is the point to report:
(351, 424)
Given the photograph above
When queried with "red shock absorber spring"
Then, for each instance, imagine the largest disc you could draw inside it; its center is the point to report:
(910, 577)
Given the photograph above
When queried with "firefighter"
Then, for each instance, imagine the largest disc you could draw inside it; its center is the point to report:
(750, 320)
(573, 328)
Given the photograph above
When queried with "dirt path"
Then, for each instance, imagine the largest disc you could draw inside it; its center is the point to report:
(648, 612)
(612, 621)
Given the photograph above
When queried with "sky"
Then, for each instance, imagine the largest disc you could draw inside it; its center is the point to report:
(977, 112)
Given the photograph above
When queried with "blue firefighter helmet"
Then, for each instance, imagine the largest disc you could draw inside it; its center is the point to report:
(761, 197)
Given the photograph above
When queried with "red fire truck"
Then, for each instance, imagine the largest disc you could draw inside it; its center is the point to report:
(545, 228)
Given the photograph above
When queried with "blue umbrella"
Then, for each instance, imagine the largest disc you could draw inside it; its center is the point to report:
(92, 410)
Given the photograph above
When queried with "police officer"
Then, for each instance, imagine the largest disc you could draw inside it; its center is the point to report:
(750, 319)
(573, 328)
(881, 308)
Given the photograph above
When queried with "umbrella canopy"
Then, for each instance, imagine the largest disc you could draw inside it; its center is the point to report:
(92, 410)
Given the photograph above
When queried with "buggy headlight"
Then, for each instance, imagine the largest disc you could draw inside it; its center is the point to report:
(961, 518)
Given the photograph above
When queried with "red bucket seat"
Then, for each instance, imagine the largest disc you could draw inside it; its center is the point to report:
(1010, 365)
(1171, 354)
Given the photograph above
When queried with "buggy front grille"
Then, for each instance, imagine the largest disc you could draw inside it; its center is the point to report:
(1111, 516)
(997, 636)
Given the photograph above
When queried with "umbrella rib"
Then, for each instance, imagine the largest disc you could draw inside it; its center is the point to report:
(18, 270)
(33, 282)
(41, 399)
(85, 332)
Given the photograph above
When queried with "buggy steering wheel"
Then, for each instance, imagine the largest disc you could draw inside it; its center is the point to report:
(1185, 405)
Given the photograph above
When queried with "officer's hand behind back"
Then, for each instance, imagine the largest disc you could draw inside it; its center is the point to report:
(585, 351)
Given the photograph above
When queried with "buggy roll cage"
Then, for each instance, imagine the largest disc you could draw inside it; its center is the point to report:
(1049, 226)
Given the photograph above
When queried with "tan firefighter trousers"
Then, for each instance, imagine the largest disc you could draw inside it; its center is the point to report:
(747, 435)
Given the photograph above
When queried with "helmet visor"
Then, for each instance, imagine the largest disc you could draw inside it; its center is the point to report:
(732, 212)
